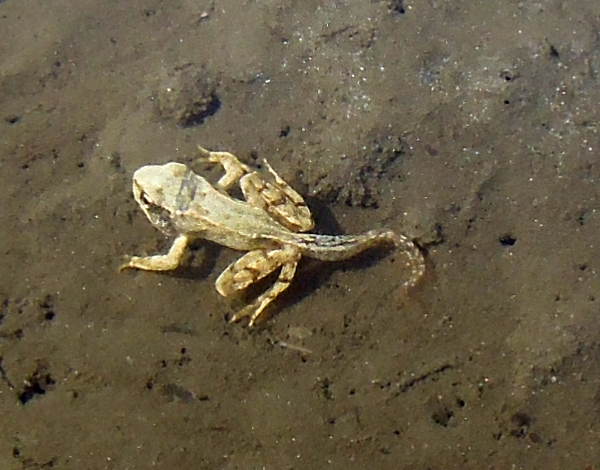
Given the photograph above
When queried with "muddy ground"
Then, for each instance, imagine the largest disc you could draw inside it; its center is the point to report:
(470, 126)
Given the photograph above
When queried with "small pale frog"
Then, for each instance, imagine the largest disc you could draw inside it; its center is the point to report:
(268, 224)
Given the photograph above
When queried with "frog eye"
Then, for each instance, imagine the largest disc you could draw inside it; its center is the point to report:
(147, 202)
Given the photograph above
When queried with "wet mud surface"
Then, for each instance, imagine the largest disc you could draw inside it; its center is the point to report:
(471, 127)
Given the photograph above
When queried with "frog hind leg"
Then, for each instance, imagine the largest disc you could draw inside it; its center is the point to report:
(252, 267)
(278, 199)
(166, 262)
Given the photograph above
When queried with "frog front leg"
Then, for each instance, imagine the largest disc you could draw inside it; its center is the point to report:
(234, 169)
(252, 267)
(166, 262)
(273, 195)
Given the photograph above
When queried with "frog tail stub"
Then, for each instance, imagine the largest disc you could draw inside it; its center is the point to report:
(340, 247)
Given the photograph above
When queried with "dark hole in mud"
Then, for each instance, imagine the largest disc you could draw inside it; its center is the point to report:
(397, 7)
(198, 112)
(37, 385)
(521, 423)
(442, 417)
(507, 240)
(48, 308)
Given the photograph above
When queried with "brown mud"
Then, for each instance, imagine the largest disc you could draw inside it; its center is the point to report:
(471, 126)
